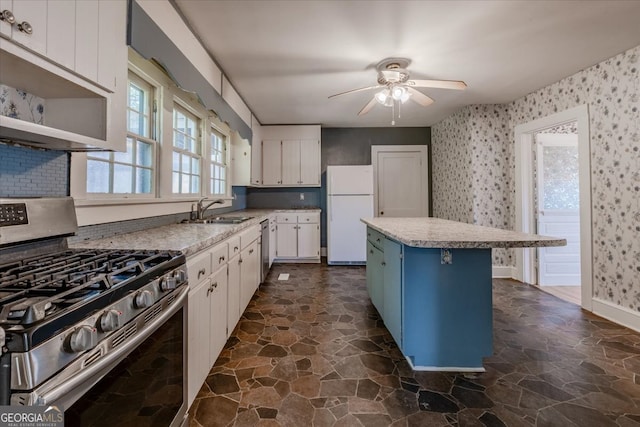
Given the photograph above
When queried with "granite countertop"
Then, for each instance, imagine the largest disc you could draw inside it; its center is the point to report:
(187, 238)
(442, 233)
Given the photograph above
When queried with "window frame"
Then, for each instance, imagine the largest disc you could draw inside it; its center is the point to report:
(200, 123)
(212, 128)
(153, 89)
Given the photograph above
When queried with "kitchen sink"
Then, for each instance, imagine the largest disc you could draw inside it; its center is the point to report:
(219, 220)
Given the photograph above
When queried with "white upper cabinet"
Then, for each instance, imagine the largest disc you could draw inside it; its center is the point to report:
(70, 57)
(256, 152)
(298, 164)
(240, 160)
(271, 162)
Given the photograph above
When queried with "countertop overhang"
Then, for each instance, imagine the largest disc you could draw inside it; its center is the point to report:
(429, 232)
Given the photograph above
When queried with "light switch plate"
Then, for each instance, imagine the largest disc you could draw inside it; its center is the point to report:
(446, 256)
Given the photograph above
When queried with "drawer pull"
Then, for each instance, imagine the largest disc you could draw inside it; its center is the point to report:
(221, 259)
(250, 251)
(235, 249)
(201, 273)
(378, 240)
(383, 263)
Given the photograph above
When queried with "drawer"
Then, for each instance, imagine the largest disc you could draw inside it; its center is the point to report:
(287, 218)
(234, 245)
(249, 235)
(376, 238)
(219, 256)
(308, 218)
(199, 268)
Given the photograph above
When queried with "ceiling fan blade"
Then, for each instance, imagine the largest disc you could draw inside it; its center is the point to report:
(438, 84)
(368, 107)
(356, 90)
(419, 97)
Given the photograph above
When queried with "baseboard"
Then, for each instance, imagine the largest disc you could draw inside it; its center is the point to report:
(443, 368)
(620, 315)
(503, 272)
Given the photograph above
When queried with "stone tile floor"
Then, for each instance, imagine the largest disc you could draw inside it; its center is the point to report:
(312, 351)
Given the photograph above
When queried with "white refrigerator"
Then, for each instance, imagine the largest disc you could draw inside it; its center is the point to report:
(349, 198)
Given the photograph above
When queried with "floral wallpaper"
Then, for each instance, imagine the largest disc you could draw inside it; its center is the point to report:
(22, 105)
(611, 89)
(470, 152)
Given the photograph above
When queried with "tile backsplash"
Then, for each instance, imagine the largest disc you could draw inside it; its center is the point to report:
(22, 105)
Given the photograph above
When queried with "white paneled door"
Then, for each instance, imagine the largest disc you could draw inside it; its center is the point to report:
(401, 186)
(558, 208)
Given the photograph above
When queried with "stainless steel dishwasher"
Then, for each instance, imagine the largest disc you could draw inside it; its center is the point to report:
(264, 249)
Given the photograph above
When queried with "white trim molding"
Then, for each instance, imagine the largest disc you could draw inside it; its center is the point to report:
(616, 313)
(524, 133)
(503, 272)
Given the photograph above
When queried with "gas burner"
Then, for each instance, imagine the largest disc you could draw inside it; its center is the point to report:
(26, 311)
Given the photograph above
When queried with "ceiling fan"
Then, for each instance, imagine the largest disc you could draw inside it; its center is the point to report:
(393, 79)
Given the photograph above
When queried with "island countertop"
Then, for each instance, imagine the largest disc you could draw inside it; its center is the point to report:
(429, 232)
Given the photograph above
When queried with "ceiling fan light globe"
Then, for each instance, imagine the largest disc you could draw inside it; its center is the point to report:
(397, 92)
(405, 97)
(382, 96)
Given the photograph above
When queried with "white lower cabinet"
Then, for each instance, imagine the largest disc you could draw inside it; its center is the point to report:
(233, 295)
(207, 315)
(298, 237)
(249, 269)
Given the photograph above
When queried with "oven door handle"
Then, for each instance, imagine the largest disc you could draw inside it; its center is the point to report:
(73, 388)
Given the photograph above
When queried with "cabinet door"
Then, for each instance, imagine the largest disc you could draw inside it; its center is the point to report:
(308, 240)
(233, 294)
(271, 162)
(375, 277)
(218, 310)
(286, 241)
(112, 43)
(61, 32)
(86, 40)
(291, 162)
(35, 13)
(198, 338)
(392, 289)
(5, 27)
(310, 162)
(248, 274)
(240, 160)
(256, 163)
(273, 241)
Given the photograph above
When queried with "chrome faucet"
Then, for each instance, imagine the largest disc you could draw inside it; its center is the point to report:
(203, 208)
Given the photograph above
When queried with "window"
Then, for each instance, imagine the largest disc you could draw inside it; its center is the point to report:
(131, 172)
(186, 152)
(218, 163)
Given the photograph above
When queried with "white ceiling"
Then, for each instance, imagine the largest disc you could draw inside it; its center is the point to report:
(286, 57)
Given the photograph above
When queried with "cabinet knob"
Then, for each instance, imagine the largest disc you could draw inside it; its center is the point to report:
(7, 16)
(201, 273)
(383, 263)
(25, 27)
(250, 251)
(221, 260)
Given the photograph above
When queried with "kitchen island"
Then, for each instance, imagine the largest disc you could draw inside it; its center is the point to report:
(430, 280)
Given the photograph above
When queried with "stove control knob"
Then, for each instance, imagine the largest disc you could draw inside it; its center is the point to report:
(168, 283)
(143, 299)
(110, 320)
(180, 275)
(82, 339)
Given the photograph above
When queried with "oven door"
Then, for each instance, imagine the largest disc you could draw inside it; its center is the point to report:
(143, 384)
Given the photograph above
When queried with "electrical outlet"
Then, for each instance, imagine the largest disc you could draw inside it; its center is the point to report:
(446, 256)
(301, 196)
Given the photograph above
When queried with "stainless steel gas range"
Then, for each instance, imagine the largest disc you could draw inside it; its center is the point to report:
(99, 333)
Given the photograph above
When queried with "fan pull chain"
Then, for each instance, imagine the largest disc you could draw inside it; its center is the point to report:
(393, 113)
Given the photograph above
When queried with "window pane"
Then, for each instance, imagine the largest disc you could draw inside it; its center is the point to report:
(145, 154)
(185, 183)
(175, 185)
(134, 122)
(126, 157)
(222, 170)
(195, 184)
(178, 140)
(186, 160)
(176, 161)
(143, 181)
(195, 165)
(97, 176)
(122, 178)
(136, 97)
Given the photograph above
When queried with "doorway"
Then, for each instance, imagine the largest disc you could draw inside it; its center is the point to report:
(537, 156)
(400, 176)
(557, 209)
